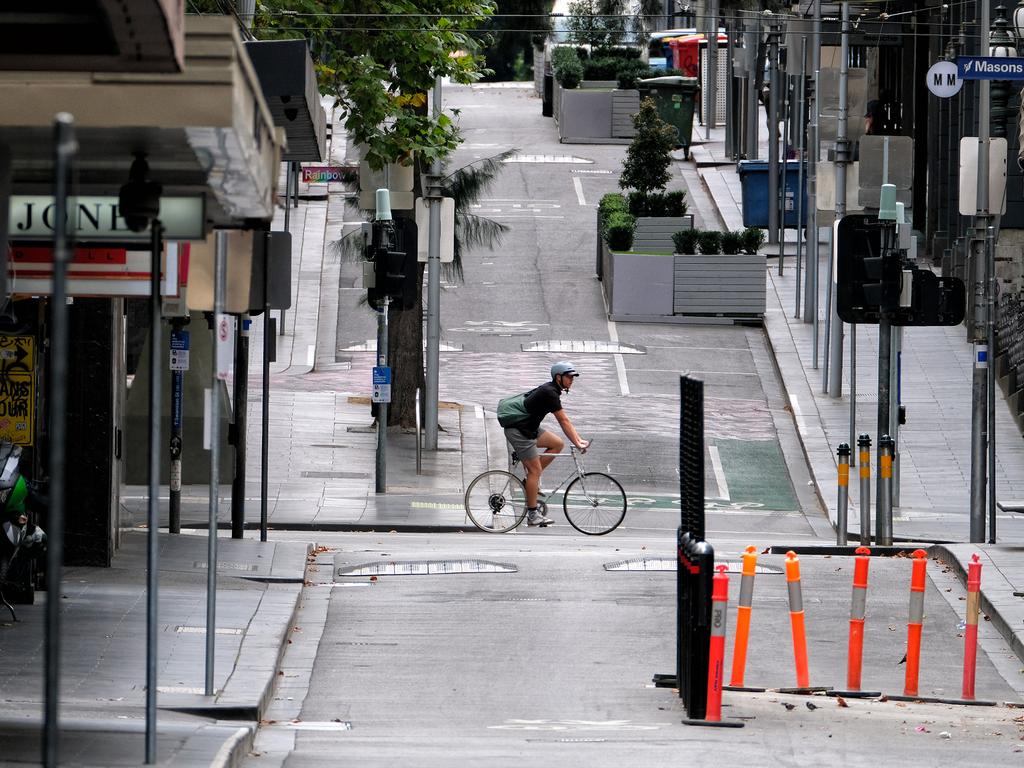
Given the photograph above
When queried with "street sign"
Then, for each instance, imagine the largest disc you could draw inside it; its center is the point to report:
(968, 200)
(224, 327)
(98, 219)
(381, 384)
(989, 68)
(943, 79)
(179, 351)
(325, 174)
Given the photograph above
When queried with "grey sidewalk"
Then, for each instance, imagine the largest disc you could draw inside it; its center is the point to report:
(103, 664)
(934, 444)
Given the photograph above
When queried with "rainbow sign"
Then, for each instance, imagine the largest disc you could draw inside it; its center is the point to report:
(324, 174)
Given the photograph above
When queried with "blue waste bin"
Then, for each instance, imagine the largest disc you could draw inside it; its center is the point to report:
(754, 181)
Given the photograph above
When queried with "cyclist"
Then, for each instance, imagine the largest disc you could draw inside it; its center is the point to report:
(527, 437)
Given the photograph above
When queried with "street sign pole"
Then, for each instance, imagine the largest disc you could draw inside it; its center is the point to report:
(979, 379)
(433, 295)
(381, 485)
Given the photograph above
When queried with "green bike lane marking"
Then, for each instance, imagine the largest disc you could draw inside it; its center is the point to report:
(756, 472)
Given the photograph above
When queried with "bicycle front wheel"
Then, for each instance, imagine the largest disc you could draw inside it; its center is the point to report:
(595, 503)
(496, 501)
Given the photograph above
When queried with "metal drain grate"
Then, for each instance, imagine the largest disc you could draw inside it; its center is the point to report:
(546, 159)
(425, 568)
(185, 630)
(591, 170)
(332, 475)
(227, 566)
(584, 347)
(317, 725)
(668, 564)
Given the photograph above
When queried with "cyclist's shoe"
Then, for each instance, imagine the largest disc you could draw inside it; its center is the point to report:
(538, 519)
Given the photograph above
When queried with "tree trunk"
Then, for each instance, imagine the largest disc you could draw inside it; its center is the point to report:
(405, 356)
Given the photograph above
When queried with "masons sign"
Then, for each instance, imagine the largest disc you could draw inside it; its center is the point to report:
(989, 68)
(95, 218)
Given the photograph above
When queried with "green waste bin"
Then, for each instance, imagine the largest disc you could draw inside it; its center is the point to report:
(675, 98)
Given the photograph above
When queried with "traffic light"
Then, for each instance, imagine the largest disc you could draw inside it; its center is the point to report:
(858, 253)
(396, 270)
(869, 281)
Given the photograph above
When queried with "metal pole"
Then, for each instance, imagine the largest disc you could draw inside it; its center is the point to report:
(238, 427)
(834, 377)
(710, 117)
(811, 287)
(750, 37)
(894, 415)
(883, 485)
(382, 408)
(177, 398)
(65, 149)
(730, 96)
(883, 505)
(864, 449)
(433, 292)
(773, 133)
(979, 383)
(153, 533)
(783, 171)
(844, 494)
(268, 329)
(801, 230)
(219, 319)
(992, 308)
(287, 227)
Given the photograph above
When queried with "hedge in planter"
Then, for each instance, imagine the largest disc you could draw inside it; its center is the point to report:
(618, 231)
(709, 242)
(753, 239)
(732, 243)
(685, 241)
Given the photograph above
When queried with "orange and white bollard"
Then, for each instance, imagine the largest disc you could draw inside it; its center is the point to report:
(915, 622)
(971, 626)
(796, 618)
(858, 611)
(716, 660)
(743, 609)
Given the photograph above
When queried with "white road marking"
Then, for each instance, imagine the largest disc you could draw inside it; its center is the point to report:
(797, 413)
(620, 367)
(716, 465)
(578, 184)
(311, 355)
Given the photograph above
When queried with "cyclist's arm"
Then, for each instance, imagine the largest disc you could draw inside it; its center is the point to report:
(570, 430)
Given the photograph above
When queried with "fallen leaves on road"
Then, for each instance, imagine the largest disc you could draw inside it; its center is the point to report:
(841, 701)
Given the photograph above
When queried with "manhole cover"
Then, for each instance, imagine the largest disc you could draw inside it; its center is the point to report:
(576, 347)
(425, 568)
(668, 564)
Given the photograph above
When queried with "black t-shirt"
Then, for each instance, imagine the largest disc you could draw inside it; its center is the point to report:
(545, 399)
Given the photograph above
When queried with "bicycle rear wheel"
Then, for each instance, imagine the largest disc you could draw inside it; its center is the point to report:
(595, 503)
(496, 501)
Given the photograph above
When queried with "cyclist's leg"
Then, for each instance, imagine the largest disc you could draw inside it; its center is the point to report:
(552, 445)
(533, 469)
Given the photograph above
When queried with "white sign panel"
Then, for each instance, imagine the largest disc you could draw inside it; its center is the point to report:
(97, 218)
(969, 175)
(447, 229)
(224, 337)
(943, 79)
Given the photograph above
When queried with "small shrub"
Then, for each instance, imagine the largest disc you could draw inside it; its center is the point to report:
(648, 158)
(603, 68)
(629, 72)
(658, 203)
(611, 203)
(675, 203)
(570, 75)
(753, 239)
(561, 54)
(685, 240)
(620, 52)
(710, 242)
(732, 243)
(618, 231)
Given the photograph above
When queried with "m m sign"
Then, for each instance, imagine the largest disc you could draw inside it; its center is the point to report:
(943, 79)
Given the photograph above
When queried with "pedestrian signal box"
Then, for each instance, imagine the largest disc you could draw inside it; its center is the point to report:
(871, 276)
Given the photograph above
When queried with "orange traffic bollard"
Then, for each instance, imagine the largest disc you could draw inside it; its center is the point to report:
(971, 626)
(915, 621)
(746, 601)
(796, 618)
(716, 660)
(858, 610)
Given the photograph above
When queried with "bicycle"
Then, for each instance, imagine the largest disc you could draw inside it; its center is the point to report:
(594, 503)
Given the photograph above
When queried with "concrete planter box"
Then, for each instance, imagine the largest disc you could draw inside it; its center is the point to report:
(595, 113)
(650, 286)
(638, 284)
(654, 233)
(720, 285)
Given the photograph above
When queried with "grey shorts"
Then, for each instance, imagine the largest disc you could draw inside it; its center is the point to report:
(525, 446)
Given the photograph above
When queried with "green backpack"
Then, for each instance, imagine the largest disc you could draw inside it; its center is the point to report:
(512, 409)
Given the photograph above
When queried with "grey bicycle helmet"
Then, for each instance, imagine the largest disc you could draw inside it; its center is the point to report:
(563, 367)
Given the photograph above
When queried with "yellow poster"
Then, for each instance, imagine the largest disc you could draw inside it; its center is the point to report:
(17, 388)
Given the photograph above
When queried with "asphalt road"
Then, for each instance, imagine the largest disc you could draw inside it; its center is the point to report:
(548, 660)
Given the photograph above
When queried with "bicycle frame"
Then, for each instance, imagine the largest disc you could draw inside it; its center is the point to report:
(576, 455)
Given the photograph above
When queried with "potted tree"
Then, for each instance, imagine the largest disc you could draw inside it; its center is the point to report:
(646, 173)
